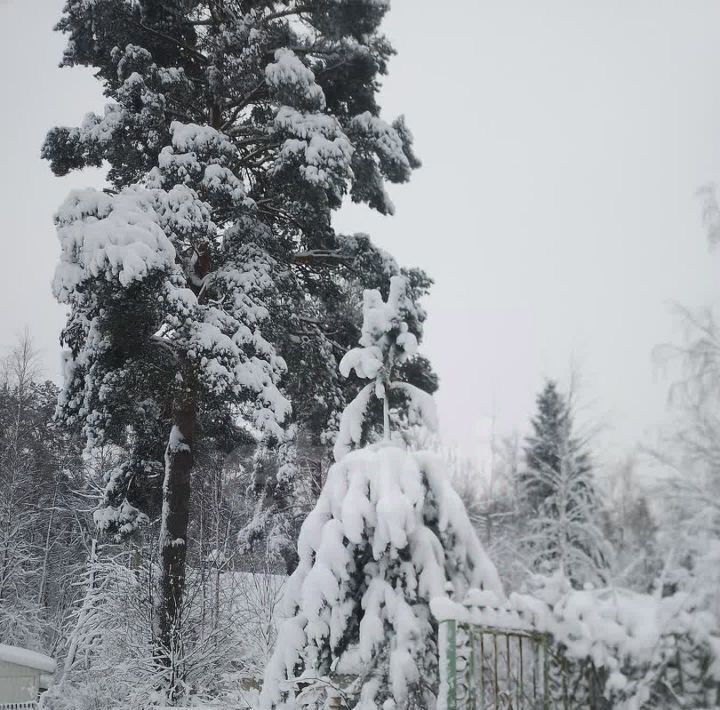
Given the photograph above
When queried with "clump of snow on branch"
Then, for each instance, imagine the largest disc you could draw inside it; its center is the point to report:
(421, 406)
(108, 236)
(316, 145)
(351, 423)
(204, 159)
(292, 83)
(386, 140)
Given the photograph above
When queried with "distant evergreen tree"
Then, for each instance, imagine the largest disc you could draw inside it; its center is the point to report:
(558, 491)
(544, 446)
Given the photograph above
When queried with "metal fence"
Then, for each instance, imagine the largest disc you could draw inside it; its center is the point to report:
(490, 668)
(495, 668)
(513, 669)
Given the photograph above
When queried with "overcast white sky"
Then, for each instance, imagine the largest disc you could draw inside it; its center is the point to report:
(562, 142)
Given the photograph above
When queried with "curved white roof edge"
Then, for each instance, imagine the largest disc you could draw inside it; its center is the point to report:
(23, 657)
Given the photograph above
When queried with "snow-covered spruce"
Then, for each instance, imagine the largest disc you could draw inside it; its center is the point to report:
(387, 535)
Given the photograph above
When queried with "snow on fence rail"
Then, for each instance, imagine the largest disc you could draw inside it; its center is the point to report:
(570, 649)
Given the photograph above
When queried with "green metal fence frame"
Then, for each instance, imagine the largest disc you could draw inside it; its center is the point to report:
(541, 642)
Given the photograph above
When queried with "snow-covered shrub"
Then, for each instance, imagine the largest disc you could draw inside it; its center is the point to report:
(109, 661)
(108, 654)
(645, 648)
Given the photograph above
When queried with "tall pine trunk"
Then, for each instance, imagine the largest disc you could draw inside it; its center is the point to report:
(174, 528)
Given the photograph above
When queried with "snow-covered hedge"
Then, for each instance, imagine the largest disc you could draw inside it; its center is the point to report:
(637, 641)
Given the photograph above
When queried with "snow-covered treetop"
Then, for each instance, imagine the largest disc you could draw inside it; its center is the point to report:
(386, 342)
(290, 85)
(385, 339)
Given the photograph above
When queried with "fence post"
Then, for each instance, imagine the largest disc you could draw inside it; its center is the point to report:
(472, 680)
(521, 679)
(546, 674)
(452, 664)
(482, 670)
(496, 684)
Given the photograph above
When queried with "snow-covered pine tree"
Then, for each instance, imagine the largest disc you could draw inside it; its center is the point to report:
(558, 490)
(387, 535)
(232, 132)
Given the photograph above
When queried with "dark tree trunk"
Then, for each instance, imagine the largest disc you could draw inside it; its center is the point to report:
(176, 506)
(174, 528)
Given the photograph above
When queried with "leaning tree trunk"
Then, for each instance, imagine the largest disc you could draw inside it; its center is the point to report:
(174, 529)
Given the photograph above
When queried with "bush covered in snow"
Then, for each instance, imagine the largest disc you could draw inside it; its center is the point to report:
(649, 650)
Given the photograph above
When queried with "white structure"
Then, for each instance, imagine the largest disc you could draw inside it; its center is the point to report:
(23, 676)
